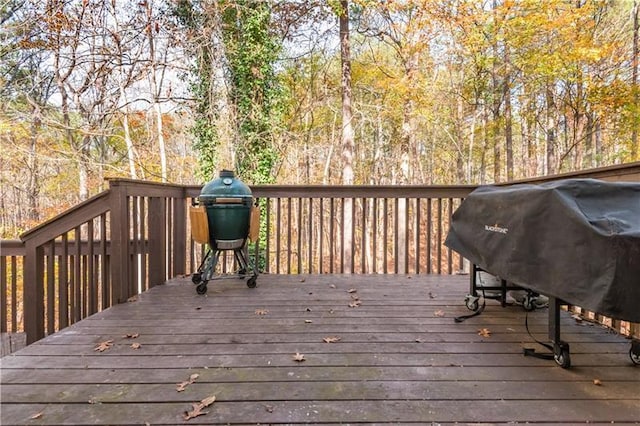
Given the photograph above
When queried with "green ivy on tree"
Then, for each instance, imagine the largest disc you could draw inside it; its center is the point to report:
(251, 51)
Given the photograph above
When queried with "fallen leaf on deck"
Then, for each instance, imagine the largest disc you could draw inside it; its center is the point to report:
(432, 296)
(577, 317)
(37, 415)
(332, 285)
(103, 346)
(484, 332)
(268, 408)
(208, 401)
(331, 339)
(262, 311)
(597, 382)
(298, 357)
(355, 304)
(198, 407)
(351, 290)
(355, 297)
(302, 280)
(308, 321)
(182, 386)
(131, 335)
(418, 340)
(135, 346)
(133, 299)
(439, 313)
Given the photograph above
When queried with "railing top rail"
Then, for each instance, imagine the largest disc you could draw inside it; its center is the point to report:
(617, 170)
(12, 248)
(146, 188)
(69, 219)
(353, 191)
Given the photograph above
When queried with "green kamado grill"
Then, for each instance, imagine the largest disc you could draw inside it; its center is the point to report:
(228, 203)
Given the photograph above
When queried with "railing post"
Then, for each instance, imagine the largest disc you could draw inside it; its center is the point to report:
(157, 241)
(120, 259)
(179, 236)
(33, 292)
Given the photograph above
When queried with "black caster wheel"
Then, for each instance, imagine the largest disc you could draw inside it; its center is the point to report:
(196, 278)
(634, 352)
(251, 282)
(528, 304)
(561, 355)
(202, 288)
(471, 303)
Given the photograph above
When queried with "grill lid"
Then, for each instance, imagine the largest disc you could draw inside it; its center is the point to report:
(226, 188)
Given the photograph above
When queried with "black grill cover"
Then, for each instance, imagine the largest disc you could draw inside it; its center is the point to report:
(577, 240)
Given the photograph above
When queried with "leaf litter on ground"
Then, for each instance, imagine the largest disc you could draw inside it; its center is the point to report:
(103, 346)
(183, 385)
(198, 407)
(484, 332)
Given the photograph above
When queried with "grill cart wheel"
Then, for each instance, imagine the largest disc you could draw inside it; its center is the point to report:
(202, 288)
(561, 355)
(527, 303)
(196, 278)
(634, 352)
(251, 282)
(471, 302)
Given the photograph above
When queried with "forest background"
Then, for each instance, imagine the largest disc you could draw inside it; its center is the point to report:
(308, 92)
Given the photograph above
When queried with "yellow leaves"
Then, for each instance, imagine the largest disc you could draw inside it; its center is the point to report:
(298, 357)
(136, 346)
(439, 313)
(331, 339)
(131, 335)
(261, 311)
(597, 382)
(197, 408)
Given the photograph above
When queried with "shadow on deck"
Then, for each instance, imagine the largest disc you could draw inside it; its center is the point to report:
(400, 358)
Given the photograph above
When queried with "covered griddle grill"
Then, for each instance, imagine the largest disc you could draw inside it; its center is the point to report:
(576, 241)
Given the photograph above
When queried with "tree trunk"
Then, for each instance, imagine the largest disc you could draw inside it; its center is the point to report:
(508, 125)
(635, 144)
(588, 142)
(348, 145)
(34, 181)
(155, 91)
(496, 93)
(551, 131)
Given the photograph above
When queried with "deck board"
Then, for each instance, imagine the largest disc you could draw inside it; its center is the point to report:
(401, 359)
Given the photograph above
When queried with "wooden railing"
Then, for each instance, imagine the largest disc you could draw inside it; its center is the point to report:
(136, 235)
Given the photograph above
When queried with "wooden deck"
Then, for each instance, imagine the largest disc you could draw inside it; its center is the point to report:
(400, 358)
